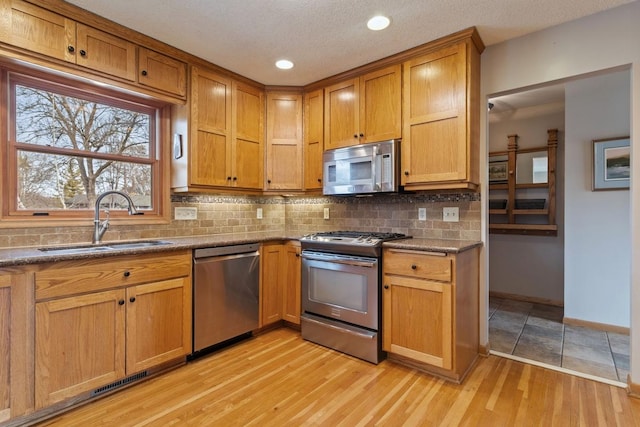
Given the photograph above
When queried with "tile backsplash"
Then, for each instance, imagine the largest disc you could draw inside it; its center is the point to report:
(290, 216)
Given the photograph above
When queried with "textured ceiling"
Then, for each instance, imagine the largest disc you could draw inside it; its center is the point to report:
(326, 37)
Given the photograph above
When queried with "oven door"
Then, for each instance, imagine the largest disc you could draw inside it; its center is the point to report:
(341, 287)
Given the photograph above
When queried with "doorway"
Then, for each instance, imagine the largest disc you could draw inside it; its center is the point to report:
(539, 305)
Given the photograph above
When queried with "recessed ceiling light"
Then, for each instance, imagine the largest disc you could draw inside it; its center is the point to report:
(284, 64)
(378, 23)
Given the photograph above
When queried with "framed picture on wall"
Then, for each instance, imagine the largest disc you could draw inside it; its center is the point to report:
(498, 171)
(611, 164)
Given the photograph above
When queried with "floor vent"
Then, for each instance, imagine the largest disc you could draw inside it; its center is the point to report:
(119, 383)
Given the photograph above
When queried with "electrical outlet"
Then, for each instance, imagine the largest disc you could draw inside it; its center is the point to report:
(422, 214)
(186, 213)
(326, 213)
(451, 214)
(259, 213)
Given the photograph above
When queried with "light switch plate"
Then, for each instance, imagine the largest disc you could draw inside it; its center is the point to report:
(422, 214)
(451, 214)
(326, 213)
(186, 213)
(259, 213)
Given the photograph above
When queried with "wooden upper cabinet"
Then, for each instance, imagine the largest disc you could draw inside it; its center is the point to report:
(364, 109)
(441, 119)
(162, 72)
(106, 53)
(313, 139)
(248, 136)
(210, 131)
(284, 141)
(42, 31)
(38, 30)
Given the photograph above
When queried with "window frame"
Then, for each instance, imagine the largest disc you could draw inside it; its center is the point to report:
(11, 217)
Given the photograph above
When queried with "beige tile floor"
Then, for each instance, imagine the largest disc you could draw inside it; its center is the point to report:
(536, 332)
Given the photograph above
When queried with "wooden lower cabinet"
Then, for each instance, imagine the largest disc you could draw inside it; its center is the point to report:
(430, 310)
(280, 283)
(16, 392)
(86, 341)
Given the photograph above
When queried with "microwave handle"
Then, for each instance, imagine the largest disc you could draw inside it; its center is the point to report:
(376, 166)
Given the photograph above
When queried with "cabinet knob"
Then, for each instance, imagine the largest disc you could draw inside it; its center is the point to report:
(386, 286)
(362, 135)
(121, 302)
(319, 179)
(144, 72)
(297, 255)
(71, 48)
(355, 135)
(132, 299)
(83, 52)
(235, 178)
(406, 173)
(268, 181)
(228, 178)
(414, 267)
(127, 274)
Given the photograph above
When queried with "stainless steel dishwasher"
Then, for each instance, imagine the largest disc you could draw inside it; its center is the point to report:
(225, 293)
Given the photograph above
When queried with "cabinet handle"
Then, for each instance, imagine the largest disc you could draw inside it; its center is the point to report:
(414, 267)
(406, 173)
(71, 48)
(132, 299)
(121, 302)
(83, 53)
(127, 273)
(144, 72)
(386, 286)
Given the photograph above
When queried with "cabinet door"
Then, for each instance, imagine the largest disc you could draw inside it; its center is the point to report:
(38, 30)
(80, 345)
(291, 285)
(380, 105)
(106, 53)
(341, 114)
(162, 72)
(271, 283)
(434, 146)
(313, 139)
(247, 141)
(158, 323)
(16, 395)
(210, 146)
(417, 320)
(284, 141)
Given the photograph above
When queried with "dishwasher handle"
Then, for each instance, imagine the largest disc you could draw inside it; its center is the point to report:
(250, 248)
(226, 257)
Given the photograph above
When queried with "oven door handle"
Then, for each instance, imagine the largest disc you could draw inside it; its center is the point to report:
(353, 262)
(342, 330)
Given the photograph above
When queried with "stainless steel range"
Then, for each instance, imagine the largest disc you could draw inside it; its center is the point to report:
(341, 292)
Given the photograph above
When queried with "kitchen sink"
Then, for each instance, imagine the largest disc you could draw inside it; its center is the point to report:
(88, 249)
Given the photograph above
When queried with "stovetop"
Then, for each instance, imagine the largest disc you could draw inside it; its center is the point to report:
(348, 242)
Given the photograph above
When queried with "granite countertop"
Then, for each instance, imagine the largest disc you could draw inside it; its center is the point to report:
(32, 255)
(433, 245)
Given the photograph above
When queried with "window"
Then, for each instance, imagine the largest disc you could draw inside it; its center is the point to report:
(67, 145)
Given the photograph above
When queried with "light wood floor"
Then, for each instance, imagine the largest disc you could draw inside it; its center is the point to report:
(277, 379)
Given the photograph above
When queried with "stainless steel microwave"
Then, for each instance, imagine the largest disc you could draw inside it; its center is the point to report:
(362, 169)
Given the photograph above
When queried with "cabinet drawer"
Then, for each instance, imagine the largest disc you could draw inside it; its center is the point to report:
(417, 264)
(82, 276)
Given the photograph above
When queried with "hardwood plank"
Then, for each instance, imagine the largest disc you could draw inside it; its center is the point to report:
(278, 379)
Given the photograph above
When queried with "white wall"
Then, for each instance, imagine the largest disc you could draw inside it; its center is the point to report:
(597, 231)
(588, 45)
(529, 266)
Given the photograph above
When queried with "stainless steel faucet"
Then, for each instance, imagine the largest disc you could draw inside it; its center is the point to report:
(99, 228)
